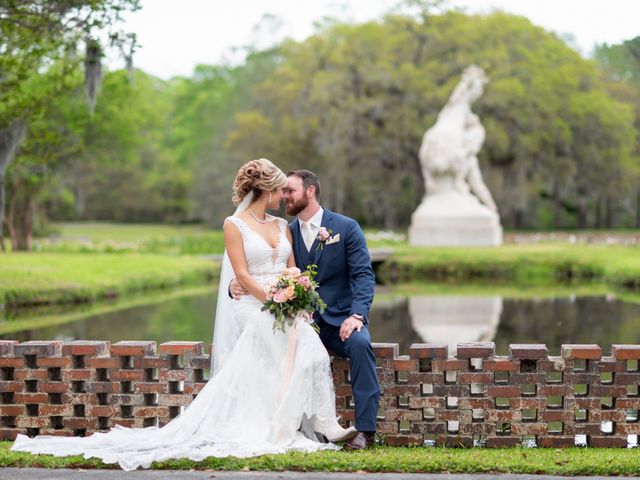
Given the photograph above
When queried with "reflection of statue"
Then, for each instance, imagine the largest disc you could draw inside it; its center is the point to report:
(458, 208)
(451, 320)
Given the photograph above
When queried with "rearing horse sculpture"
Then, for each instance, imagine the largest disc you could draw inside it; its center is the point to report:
(448, 154)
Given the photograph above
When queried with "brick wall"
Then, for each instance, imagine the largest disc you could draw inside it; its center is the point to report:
(476, 398)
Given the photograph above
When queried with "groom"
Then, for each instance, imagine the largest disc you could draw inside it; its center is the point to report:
(347, 282)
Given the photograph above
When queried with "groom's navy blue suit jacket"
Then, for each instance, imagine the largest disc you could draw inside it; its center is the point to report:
(345, 274)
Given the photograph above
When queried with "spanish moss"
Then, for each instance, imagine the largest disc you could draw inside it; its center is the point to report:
(92, 72)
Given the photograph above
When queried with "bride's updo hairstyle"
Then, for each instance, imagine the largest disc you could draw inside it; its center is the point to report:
(257, 176)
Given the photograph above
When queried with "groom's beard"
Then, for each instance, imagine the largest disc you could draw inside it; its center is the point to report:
(294, 208)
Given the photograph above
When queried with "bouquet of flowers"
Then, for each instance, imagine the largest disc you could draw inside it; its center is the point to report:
(292, 293)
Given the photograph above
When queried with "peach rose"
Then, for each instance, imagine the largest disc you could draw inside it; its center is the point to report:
(290, 292)
(280, 297)
(293, 273)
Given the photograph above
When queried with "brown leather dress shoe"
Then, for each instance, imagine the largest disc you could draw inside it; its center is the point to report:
(361, 441)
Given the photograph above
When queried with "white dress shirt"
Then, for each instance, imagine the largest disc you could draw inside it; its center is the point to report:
(315, 223)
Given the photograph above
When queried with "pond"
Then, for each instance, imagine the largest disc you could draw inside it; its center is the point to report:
(404, 315)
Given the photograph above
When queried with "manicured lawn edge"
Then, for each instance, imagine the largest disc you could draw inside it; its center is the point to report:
(617, 266)
(571, 461)
(39, 279)
(58, 278)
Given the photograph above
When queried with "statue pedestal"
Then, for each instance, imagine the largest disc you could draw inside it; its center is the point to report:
(452, 219)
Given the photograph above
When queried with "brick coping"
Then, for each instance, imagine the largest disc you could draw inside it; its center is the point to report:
(475, 398)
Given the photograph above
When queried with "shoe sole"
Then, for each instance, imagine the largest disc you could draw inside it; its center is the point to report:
(344, 438)
(352, 449)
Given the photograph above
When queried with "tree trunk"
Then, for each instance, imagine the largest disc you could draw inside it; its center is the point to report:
(2, 200)
(581, 213)
(23, 233)
(609, 213)
(638, 208)
(10, 216)
(518, 219)
(11, 137)
(338, 193)
(598, 223)
(20, 221)
(389, 220)
(20, 213)
(79, 200)
(556, 204)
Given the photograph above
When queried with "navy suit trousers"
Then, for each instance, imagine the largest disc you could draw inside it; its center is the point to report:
(362, 361)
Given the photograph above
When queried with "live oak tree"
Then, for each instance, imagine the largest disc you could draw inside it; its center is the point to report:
(122, 167)
(39, 42)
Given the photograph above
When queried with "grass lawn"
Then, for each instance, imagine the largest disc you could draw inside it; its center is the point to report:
(29, 278)
(85, 261)
(103, 231)
(105, 237)
(525, 264)
(572, 461)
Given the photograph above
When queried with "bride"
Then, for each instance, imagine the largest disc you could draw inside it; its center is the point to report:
(256, 401)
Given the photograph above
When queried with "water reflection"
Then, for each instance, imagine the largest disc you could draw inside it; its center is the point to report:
(182, 318)
(450, 320)
(604, 320)
(389, 321)
(395, 317)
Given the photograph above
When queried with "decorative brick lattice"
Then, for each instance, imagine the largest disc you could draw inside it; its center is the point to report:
(476, 398)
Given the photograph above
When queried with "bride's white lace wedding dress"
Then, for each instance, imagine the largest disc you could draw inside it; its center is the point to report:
(252, 405)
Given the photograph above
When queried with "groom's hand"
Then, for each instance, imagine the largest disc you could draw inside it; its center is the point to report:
(348, 326)
(236, 289)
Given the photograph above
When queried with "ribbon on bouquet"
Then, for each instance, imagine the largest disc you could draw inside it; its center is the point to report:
(287, 368)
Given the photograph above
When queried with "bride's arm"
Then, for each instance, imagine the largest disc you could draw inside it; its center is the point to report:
(291, 262)
(235, 250)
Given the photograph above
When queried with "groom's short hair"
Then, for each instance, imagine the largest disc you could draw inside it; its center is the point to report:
(308, 178)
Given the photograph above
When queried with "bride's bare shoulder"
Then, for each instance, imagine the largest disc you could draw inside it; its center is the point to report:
(232, 224)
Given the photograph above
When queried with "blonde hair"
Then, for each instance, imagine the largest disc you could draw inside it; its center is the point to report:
(257, 176)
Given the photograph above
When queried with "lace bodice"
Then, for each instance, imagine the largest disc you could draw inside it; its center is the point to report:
(264, 262)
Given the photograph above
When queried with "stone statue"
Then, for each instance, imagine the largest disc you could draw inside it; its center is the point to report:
(458, 208)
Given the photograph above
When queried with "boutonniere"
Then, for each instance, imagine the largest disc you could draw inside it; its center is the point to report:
(323, 235)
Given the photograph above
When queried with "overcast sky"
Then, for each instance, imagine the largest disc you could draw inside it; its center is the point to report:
(176, 35)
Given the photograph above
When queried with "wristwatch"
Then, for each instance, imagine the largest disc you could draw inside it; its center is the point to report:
(357, 316)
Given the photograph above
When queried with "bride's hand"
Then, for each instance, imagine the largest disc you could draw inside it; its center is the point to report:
(236, 289)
